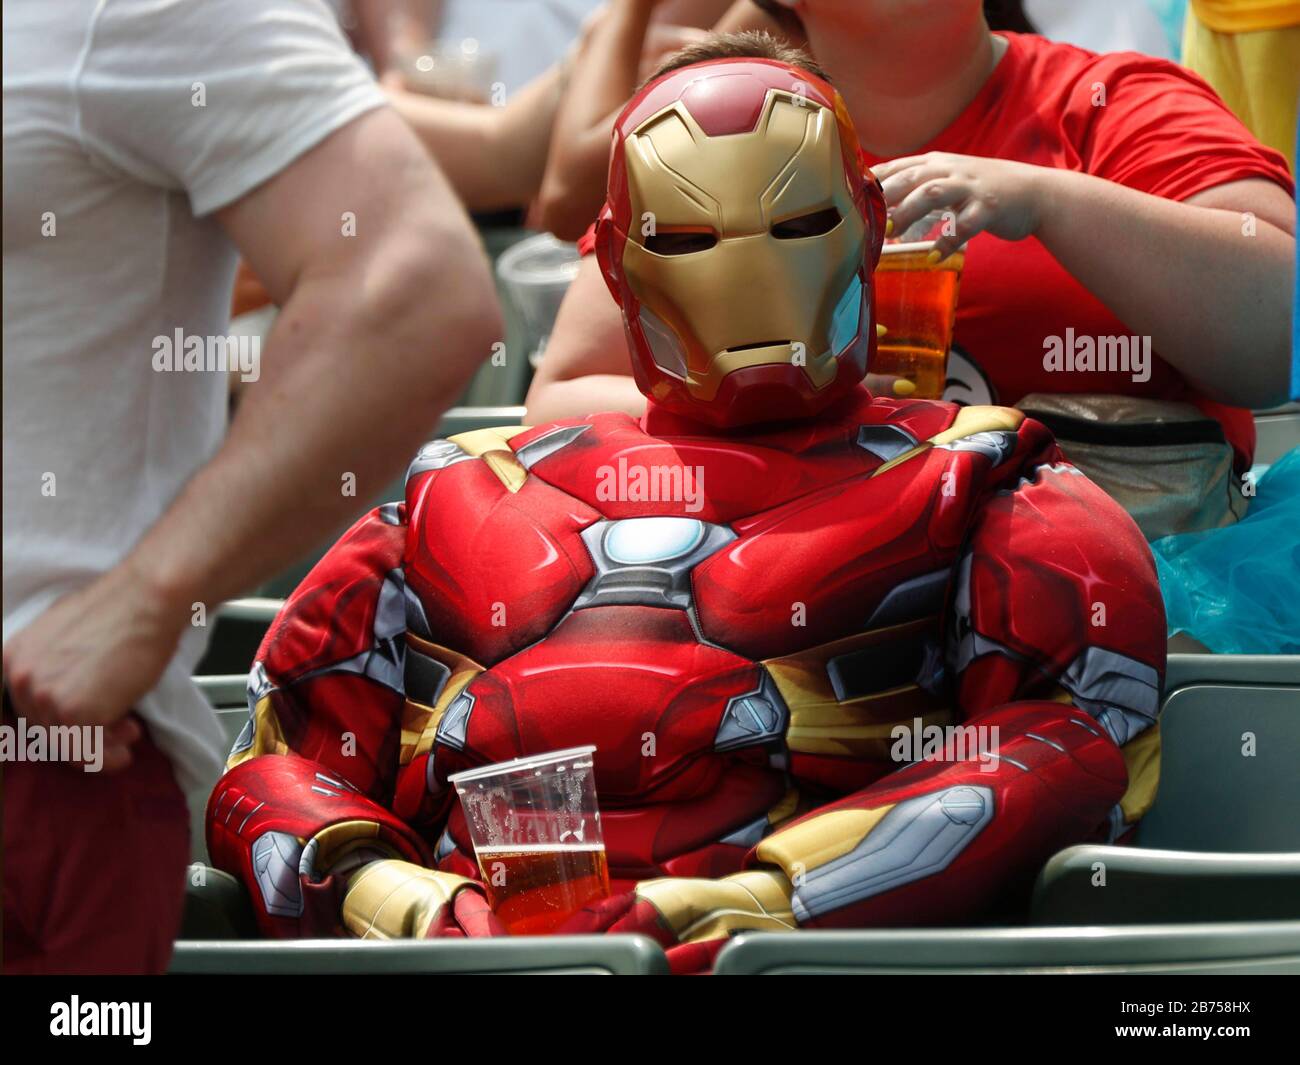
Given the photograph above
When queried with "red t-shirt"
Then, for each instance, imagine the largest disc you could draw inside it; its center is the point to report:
(1161, 130)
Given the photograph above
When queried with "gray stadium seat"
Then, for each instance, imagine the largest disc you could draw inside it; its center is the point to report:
(1265, 947)
(1222, 841)
(216, 906)
(575, 955)
(1159, 886)
(1276, 432)
(1212, 796)
(1185, 670)
(237, 632)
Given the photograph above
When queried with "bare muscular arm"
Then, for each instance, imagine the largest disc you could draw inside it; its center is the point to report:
(378, 334)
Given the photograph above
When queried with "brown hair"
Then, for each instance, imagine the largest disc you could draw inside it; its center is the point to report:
(746, 44)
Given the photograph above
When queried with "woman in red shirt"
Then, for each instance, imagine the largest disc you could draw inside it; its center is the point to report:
(1110, 195)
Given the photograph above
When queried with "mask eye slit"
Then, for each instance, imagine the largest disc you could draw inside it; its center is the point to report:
(680, 242)
(813, 224)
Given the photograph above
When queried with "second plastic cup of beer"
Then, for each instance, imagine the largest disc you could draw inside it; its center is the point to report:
(535, 825)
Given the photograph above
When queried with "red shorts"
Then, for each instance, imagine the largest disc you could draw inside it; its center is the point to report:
(94, 865)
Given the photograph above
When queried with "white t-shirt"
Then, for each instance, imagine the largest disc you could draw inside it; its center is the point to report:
(126, 124)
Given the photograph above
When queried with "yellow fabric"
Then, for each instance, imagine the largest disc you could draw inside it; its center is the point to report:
(697, 909)
(268, 737)
(1256, 73)
(1247, 16)
(1142, 760)
(391, 899)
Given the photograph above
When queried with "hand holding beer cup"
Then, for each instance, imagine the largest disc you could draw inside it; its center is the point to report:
(997, 196)
(535, 826)
(937, 203)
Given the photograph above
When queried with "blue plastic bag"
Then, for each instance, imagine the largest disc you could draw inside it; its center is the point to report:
(1237, 589)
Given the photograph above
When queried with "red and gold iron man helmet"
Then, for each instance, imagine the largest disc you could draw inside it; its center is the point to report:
(739, 236)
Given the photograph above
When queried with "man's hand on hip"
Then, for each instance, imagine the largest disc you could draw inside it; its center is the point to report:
(92, 655)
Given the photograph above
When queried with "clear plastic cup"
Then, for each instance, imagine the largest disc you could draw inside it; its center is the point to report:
(535, 274)
(535, 826)
(916, 303)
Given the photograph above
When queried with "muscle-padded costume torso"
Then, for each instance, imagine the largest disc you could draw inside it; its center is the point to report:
(737, 621)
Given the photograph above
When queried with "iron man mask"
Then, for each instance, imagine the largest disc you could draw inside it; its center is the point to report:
(739, 237)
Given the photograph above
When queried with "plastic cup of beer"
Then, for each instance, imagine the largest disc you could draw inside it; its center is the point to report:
(535, 825)
(916, 302)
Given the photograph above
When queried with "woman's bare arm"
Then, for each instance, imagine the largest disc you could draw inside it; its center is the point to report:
(604, 75)
(586, 366)
(494, 157)
(1209, 280)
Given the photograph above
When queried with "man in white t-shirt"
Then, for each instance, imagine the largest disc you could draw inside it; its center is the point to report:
(144, 142)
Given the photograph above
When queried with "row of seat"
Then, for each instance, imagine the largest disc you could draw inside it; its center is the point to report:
(1213, 884)
(1254, 948)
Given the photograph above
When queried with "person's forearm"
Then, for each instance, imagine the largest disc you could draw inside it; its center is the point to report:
(524, 127)
(351, 384)
(604, 76)
(606, 71)
(1212, 291)
(580, 396)
(494, 157)
(572, 193)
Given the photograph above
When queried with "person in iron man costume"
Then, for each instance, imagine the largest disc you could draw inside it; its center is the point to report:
(741, 654)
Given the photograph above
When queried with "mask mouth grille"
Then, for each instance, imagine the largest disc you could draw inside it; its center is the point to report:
(760, 344)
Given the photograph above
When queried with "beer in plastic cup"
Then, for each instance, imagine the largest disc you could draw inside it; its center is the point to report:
(535, 825)
(916, 302)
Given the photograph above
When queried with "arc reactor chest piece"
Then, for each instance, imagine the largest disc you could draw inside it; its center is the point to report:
(648, 561)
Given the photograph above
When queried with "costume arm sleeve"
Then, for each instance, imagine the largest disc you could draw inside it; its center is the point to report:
(1055, 654)
(306, 791)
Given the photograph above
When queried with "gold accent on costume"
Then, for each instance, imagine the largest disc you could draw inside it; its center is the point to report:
(481, 441)
(785, 809)
(490, 445)
(861, 726)
(509, 470)
(822, 838)
(1142, 759)
(699, 909)
(420, 722)
(972, 420)
(750, 290)
(392, 899)
(335, 842)
(969, 421)
(268, 737)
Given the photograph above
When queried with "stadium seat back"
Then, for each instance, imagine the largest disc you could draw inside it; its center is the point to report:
(574, 955)
(1272, 947)
(1228, 770)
